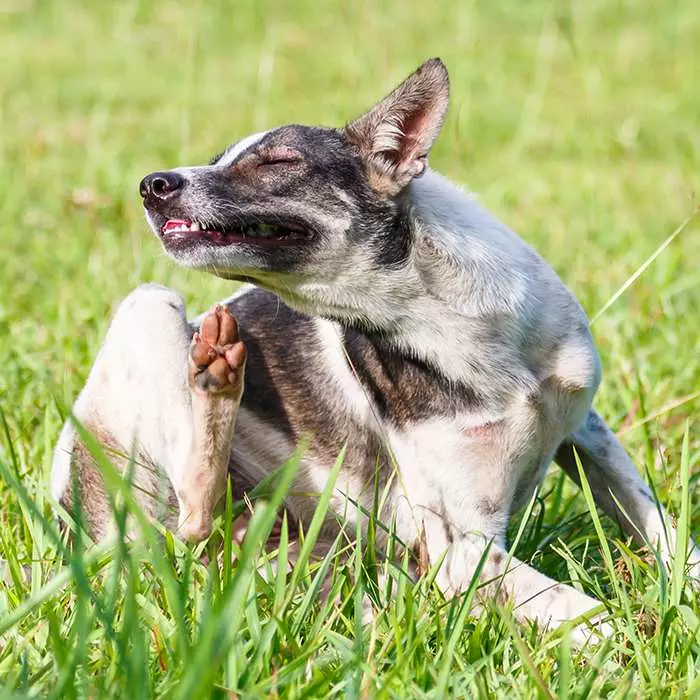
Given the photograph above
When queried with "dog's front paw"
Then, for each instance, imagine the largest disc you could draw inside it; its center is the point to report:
(217, 355)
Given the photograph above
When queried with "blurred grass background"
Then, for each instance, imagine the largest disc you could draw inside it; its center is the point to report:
(575, 122)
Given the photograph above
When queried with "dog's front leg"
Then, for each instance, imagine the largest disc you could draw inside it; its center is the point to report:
(459, 492)
(502, 578)
(506, 579)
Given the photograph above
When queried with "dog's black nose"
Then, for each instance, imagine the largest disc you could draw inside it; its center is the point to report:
(161, 185)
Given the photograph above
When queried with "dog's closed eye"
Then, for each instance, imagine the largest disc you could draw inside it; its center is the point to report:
(278, 155)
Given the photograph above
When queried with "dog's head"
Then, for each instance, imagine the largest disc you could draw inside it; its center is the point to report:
(297, 206)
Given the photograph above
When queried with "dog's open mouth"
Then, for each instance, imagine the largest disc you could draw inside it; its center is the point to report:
(260, 234)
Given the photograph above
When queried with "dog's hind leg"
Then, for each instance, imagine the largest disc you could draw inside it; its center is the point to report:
(215, 378)
(617, 487)
(166, 397)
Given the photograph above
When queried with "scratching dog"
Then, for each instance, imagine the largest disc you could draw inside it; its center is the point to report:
(388, 311)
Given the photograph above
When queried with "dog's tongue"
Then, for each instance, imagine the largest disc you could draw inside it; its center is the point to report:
(175, 223)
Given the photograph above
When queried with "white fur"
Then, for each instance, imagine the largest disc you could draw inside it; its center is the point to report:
(469, 276)
(351, 393)
(121, 386)
(389, 134)
(234, 151)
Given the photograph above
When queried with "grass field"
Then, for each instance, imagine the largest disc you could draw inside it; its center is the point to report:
(577, 123)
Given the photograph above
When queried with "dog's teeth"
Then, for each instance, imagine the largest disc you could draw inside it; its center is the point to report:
(195, 226)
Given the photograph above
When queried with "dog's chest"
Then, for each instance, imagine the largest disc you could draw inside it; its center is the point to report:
(310, 377)
(402, 390)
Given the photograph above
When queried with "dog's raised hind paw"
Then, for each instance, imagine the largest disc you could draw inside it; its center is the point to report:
(217, 354)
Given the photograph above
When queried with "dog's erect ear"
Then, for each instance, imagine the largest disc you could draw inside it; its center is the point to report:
(394, 137)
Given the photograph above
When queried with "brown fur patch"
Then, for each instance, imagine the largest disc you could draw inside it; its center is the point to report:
(94, 501)
(420, 551)
(151, 488)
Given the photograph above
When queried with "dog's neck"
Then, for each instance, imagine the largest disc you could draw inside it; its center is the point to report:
(462, 281)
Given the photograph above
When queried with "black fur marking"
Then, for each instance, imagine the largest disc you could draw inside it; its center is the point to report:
(645, 493)
(487, 507)
(289, 386)
(404, 389)
(594, 423)
(258, 313)
(393, 249)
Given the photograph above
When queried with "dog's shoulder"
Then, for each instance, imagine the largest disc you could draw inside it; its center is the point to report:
(507, 295)
(496, 267)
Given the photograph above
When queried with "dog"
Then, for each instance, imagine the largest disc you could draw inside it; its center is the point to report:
(383, 309)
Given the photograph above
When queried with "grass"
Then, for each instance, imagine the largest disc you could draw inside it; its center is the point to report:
(575, 122)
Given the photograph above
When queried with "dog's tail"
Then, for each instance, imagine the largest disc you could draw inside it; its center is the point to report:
(617, 487)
